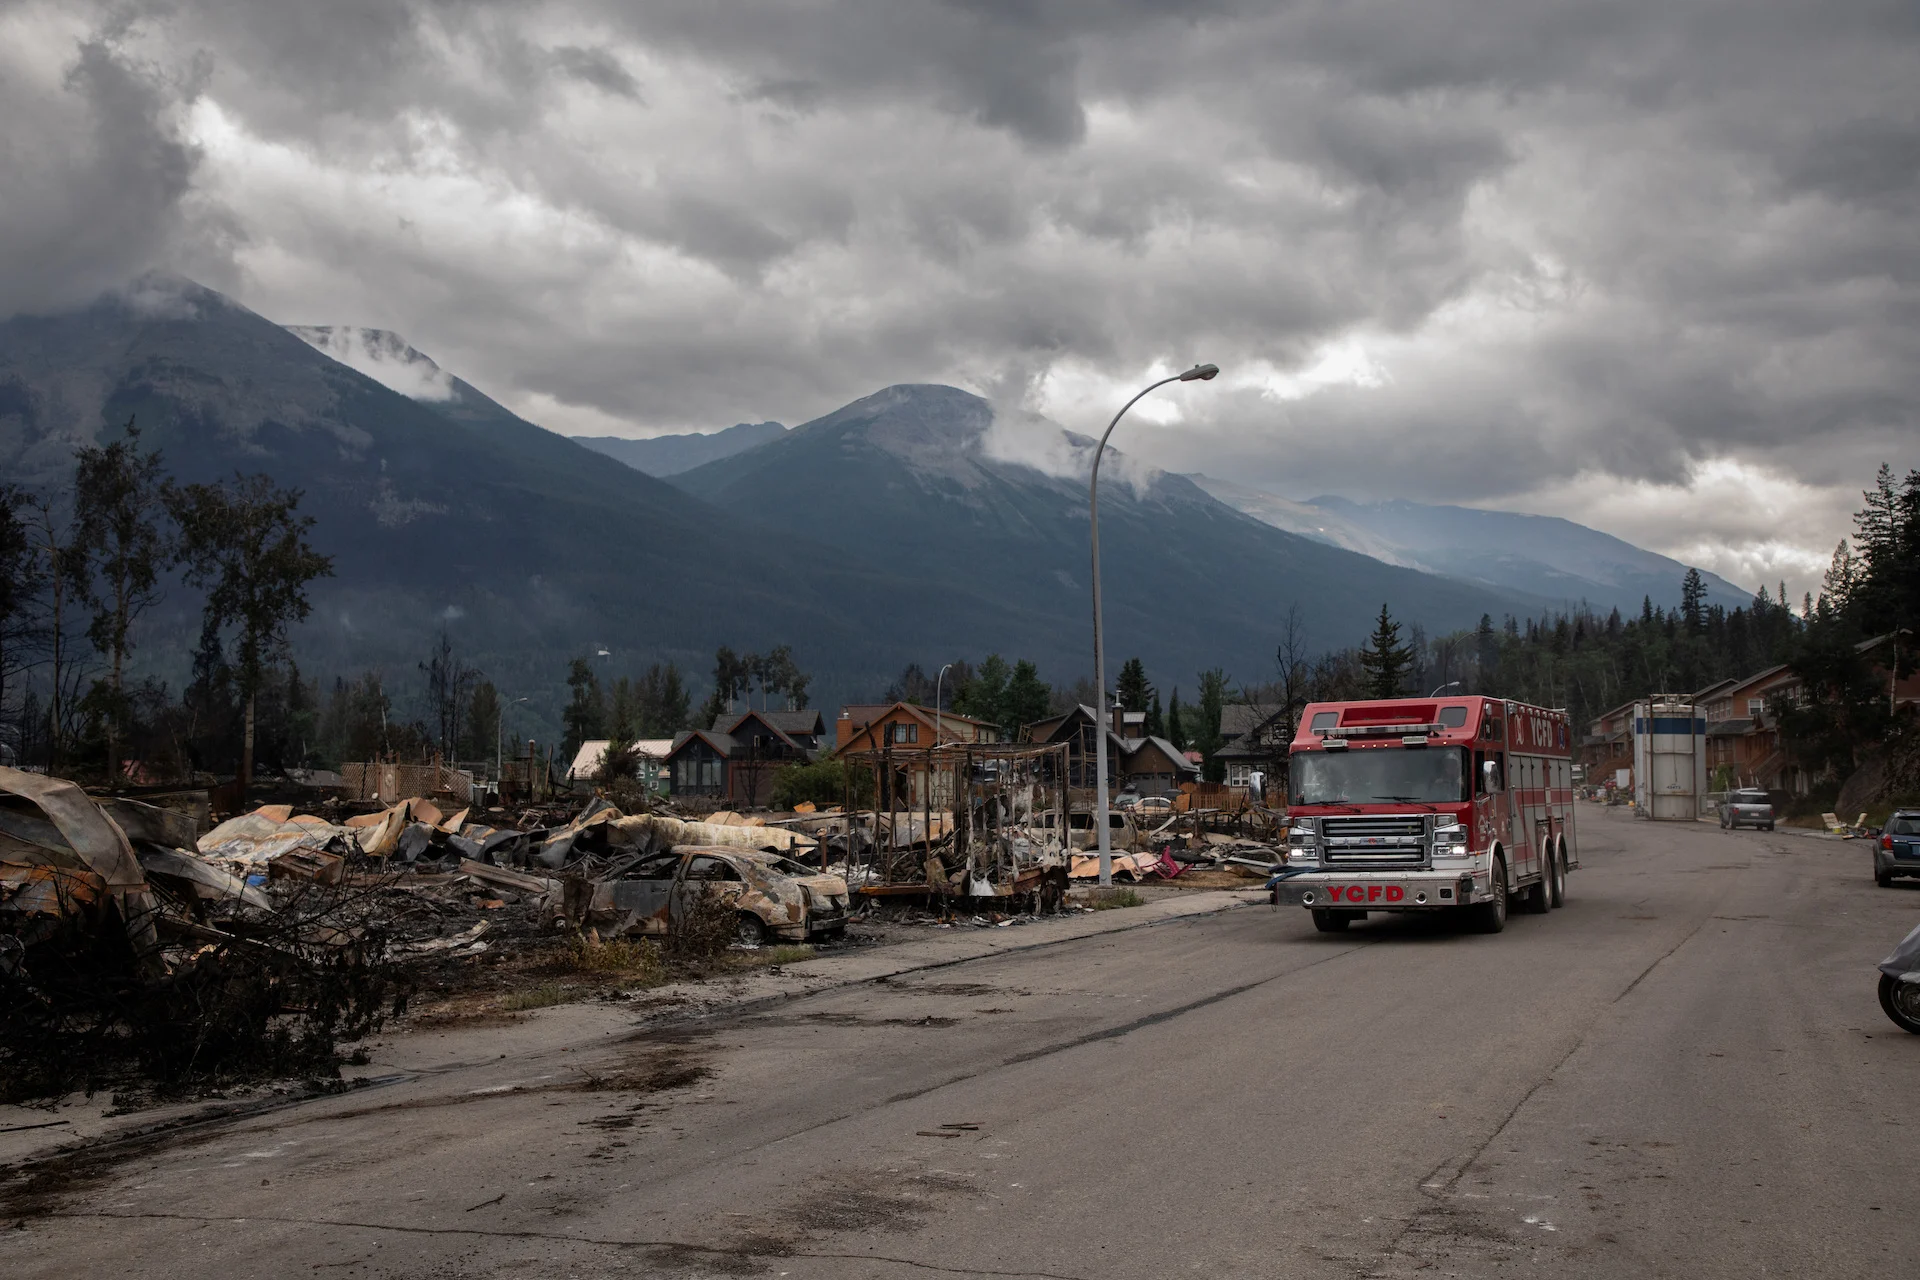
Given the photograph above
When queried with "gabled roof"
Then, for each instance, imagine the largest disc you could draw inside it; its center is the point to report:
(720, 742)
(913, 711)
(1240, 718)
(1133, 746)
(803, 723)
(737, 723)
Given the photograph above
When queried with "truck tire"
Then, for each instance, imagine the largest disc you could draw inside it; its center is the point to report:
(1331, 921)
(1538, 899)
(1491, 916)
(1557, 874)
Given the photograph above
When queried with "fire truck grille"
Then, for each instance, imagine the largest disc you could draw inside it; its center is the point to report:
(1386, 840)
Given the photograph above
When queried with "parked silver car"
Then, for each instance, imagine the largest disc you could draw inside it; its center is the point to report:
(1746, 809)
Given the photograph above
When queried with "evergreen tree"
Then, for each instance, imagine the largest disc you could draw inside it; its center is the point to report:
(586, 713)
(1156, 718)
(663, 702)
(1693, 594)
(623, 711)
(1133, 691)
(483, 726)
(1027, 697)
(982, 694)
(1206, 730)
(1386, 661)
(730, 676)
(1176, 731)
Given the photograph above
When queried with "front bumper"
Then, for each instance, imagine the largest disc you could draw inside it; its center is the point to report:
(1382, 890)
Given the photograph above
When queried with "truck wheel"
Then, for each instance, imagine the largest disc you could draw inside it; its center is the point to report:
(1491, 916)
(1559, 876)
(1538, 899)
(1331, 921)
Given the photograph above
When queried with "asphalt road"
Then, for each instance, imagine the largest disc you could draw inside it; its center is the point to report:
(1684, 1073)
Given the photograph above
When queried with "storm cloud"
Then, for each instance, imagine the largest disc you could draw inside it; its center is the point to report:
(1649, 265)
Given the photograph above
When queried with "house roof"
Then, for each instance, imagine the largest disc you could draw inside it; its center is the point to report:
(720, 742)
(1133, 746)
(1240, 718)
(789, 723)
(948, 720)
(1729, 728)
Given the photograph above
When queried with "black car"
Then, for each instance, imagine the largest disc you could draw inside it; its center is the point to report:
(1897, 853)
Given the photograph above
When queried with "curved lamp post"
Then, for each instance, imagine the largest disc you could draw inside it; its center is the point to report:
(1451, 684)
(1199, 373)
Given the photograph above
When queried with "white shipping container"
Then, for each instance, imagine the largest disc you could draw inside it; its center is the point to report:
(1669, 759)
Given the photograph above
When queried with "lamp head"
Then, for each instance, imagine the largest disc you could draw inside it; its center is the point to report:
(1201, 373)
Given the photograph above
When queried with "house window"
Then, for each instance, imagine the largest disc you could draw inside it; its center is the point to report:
(1755, 706)
(900, 734)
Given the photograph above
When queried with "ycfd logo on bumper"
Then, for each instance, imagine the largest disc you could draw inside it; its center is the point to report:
(1365, 893)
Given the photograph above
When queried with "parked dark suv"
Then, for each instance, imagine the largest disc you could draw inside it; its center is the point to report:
(1897, 852)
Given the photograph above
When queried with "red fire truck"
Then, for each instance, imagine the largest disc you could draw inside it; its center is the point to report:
(1433, 804)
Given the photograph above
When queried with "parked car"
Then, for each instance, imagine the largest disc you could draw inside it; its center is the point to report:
(772, 896)
(1746, 809)
(1153, 807)
(1897, 852)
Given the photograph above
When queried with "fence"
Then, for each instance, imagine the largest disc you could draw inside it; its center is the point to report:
(373, 780)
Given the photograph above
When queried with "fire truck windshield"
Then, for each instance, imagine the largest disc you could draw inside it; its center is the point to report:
(1381, 775)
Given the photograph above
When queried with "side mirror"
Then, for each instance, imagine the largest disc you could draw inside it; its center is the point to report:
(1490, 770)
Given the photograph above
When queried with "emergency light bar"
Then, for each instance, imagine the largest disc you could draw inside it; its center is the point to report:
(1382, 730)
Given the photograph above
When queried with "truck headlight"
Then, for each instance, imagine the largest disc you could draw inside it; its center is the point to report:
(1450, 842)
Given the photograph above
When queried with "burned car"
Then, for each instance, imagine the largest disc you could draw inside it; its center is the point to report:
(773, 896)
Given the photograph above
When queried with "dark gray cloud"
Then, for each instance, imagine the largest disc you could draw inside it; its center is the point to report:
(1568, 256)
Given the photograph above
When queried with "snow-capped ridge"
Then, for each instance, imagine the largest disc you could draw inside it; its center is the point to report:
(382, 355)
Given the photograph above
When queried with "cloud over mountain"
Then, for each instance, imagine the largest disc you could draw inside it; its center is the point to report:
(1585, 260)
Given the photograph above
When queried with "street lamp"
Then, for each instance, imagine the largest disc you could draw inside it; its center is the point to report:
(1451, 684)
(936, 701)
(1199, 373)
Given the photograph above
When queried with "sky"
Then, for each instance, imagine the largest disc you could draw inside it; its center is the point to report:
(1652, 265)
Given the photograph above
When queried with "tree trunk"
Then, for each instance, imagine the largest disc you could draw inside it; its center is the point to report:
(246, 753)
(114, 775)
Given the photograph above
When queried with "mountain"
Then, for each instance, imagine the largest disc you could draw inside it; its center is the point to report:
(670, 455)
(447, 511)
(1544, 556)
(929, 482)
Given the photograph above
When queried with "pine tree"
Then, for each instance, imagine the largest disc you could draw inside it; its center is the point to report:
(1176, 731)
(1693, 594)
(586, 712)
(1156, 718)
(1385, 660)
(1206, 729)
(1133, 691)
(1026, 698)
